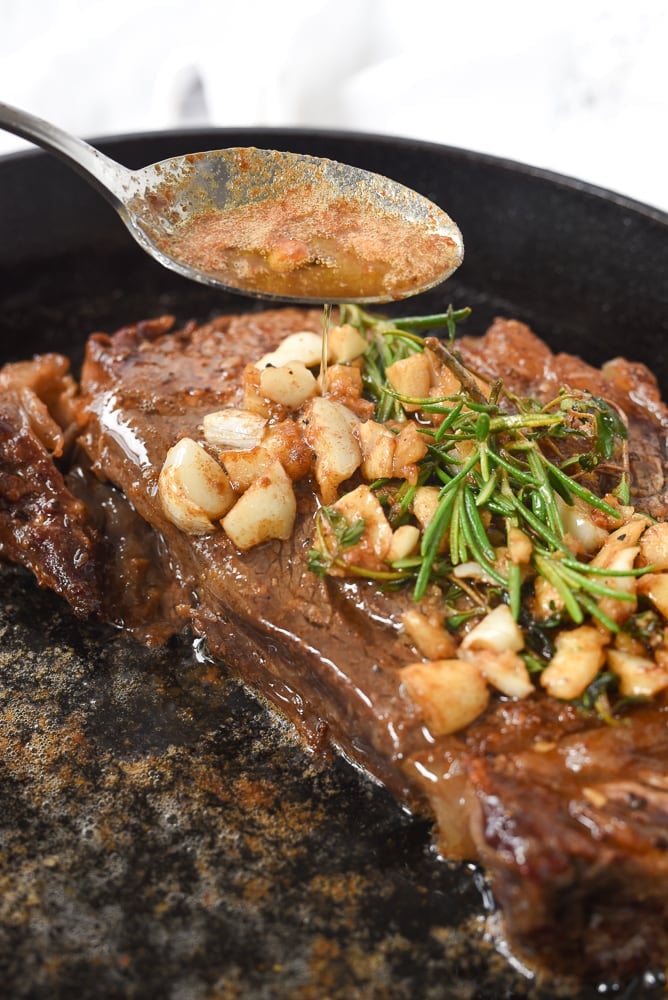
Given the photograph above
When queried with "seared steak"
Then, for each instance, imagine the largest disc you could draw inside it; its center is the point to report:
(568, 813)
(509, 350)
(43, 525)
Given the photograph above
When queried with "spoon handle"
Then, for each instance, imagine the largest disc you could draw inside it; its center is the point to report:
(103, 173)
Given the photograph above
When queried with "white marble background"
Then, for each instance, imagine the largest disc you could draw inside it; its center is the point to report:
(580, 86)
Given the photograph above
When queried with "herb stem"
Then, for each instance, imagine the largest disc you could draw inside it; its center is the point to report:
(437, 321)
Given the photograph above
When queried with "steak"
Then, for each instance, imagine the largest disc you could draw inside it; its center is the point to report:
(509, 350)
(568, 813)
(43, 526)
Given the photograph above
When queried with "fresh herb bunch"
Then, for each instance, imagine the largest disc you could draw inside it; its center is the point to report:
(501, 462)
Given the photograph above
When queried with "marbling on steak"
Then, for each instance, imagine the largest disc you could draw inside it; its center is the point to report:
(568, 814)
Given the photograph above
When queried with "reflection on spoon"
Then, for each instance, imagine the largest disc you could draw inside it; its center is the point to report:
(270, 224)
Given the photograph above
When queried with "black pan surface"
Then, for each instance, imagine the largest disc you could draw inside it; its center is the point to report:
(162, 833)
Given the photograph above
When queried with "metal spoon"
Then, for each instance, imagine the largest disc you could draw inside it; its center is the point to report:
(269, 224)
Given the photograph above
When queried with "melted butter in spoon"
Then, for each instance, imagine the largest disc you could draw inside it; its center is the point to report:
(288, 226)
(269, 224)
(307, 246)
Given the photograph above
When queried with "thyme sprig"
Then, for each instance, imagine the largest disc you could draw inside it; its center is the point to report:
(342, 535)
(335, 535)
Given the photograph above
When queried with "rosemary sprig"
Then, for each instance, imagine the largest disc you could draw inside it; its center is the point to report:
(500, 462)
(438, 321)
(391, 341)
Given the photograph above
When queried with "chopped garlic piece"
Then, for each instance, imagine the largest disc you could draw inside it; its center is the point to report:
(193, 488)
(580, 654)
(305, 347)
(233, 428)
(253, 400)
(655, 587)
(639, 676)
(362, 503)
(505, 670)
(405, 541)
(619, 554)
(288, 254)
(431, 639)
(290, 384)
(447, 383)
(328, 429)
(654, 546)
(450, 693)
(345, 343)
(498, 630)
(520, 546)
(266, 510)
(285, 441)
(244, 467)
(378, 446)
(424, 506)
(624, 537)
(584, 534)
(471, 570)
(548, 600)
(411, 377)
(344, 384)
(409, 448)
(425, 503)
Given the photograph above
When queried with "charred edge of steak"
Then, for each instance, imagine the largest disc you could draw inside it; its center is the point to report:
(577, 840)
(43, 526)
(141, 593)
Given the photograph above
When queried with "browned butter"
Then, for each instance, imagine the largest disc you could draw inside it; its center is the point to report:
(302, 244)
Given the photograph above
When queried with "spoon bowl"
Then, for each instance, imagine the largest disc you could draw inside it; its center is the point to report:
(269, 224)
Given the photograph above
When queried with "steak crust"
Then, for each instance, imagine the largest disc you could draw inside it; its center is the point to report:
(569, 815)
(43, 526)
(572, 825)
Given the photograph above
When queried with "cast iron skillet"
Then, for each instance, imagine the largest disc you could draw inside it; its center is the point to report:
(163, 834)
